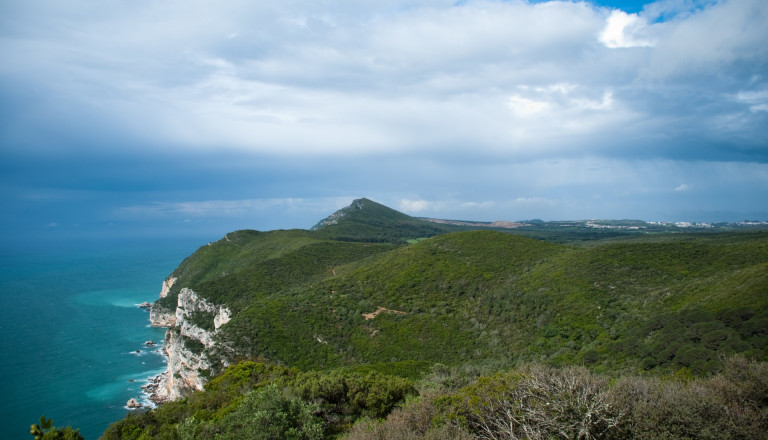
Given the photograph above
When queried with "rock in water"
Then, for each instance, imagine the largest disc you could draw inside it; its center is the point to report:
(133, 403)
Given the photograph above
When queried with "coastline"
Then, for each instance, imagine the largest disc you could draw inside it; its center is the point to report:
(154, 391)
(183, 366)
(151, 389)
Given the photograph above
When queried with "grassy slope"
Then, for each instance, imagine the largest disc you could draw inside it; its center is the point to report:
(236, 252)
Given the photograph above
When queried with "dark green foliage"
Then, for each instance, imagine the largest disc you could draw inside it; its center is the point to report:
(201, 319)
(139, 425)
(236, 252)
(268, 413)
(373, 394)
(695, 337)
(222, 396)
(311, 262)
(193, 345)
(46, 431)
(279, 403)
(408, 369)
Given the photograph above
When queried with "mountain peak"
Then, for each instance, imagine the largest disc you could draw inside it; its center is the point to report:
(366, 220)
(360, 210)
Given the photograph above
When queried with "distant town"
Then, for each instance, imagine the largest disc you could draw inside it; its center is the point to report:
(619, 225)
(633, 225)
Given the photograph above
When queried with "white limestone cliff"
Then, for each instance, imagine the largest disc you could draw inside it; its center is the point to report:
(167, 284)
(187, 345)
(160, 316)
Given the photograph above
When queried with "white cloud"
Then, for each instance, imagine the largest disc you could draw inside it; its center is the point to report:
(756, 99)
(414, 206)
(526, 107)
(605, 103)
(624, 30)
(452, 207)
(683, 187)
(562, 88)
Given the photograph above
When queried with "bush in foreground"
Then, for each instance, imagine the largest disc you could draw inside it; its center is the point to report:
(538, 402)
(46, 431)
(259, 401)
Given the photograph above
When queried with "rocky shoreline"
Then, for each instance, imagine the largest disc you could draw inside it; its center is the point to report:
(155, 390)
(153, 387)
(183, 372)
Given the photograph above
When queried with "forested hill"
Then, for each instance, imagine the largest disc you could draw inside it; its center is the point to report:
(481, 295)
(342, 323)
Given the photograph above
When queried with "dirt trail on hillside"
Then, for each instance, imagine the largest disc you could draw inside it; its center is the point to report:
(369, 316)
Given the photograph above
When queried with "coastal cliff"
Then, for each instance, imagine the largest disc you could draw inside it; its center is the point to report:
(160, 316)
(188, 342)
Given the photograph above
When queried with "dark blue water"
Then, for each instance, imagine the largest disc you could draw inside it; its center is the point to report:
(70, 330)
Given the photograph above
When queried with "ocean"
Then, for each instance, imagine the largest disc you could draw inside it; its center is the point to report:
(72, 345)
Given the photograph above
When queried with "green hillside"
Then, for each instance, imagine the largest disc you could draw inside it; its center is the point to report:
(301, 298)
(351, 308)
(490, 296)
(235, 253)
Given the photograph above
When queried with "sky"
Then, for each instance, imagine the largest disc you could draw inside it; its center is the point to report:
(169, 118)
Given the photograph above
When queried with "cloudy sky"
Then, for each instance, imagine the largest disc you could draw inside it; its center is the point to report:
(170, 117)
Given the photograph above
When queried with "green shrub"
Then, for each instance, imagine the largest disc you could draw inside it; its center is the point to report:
(372, 394)
(272, 413)
(193, 345)
(202, 319)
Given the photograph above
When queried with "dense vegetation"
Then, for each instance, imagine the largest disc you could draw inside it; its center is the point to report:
(496, 297)
(262, 401)
(348, 330)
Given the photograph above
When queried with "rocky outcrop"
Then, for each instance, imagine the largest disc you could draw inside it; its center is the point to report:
(167, 284)
(188, 344)
(133, 403)
(160, 316)
(190, 303)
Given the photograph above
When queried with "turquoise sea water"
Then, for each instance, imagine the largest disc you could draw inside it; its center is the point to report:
(71, 329)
